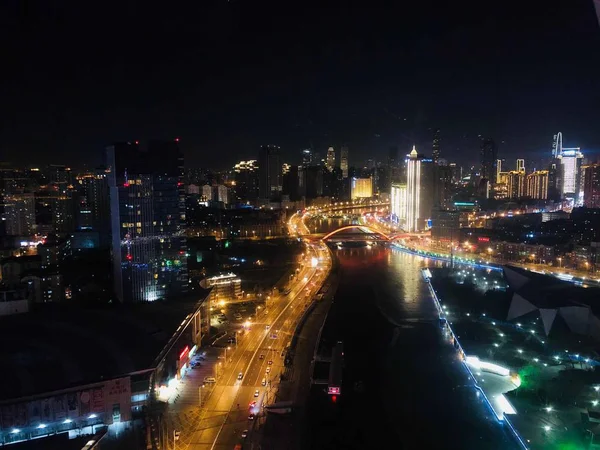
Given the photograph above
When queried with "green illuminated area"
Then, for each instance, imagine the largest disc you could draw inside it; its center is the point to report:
(554, 384)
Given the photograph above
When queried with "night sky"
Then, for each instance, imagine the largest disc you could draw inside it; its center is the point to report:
(228, 76)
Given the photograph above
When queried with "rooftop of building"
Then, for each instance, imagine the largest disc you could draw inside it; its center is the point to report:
(60, 346)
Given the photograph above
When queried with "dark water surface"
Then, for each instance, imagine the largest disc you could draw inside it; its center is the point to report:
(403, 386)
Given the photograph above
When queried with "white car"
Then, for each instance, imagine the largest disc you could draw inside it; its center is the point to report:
(244, 433)
(210, 380)
(256, 393)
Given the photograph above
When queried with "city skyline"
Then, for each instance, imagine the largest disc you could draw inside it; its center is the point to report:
(348, 88)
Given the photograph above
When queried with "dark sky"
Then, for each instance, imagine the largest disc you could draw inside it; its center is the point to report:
(227, 76)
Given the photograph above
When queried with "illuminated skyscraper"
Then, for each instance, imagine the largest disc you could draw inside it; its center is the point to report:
(570, 163)
(147, 205)
(344, 161)
(398, 204)
(419, 195)
(436, 146)
(557, 145)
(520, 165)
(330, 161)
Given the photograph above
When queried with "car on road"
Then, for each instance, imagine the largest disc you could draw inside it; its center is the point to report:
(252, 404)
(268, 370)
(264, 382)
(251, 417)
(256, 393)
(261, 356)
(244, 433)
(267, 327)
(210, 380)
(240, 375)
(270, 362)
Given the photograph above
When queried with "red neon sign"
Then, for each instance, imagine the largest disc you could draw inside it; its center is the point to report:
(185, 351)
(333, 390)
(483, 239)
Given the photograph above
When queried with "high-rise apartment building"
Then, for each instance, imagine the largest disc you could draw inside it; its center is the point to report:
(344, 161)
(591, 186)
(269, 169)
(147, 203)
(330, 161)
(436, 146)
(520, 165)
(498, 170)
(19, 214)
(537, 185)
(515, 184)
(246, 181)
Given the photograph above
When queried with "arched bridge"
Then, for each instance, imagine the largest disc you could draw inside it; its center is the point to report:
(367, 233)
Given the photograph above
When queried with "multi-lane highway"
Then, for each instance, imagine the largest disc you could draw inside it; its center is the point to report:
(251, 372)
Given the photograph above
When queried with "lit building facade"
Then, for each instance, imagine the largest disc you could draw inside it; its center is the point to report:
(147, 201)
(435, 147)
(361, 188)
(398, 204)
(537, 185)
(570, 163)
(344, 161)
(246, 181)
(19, 214)
(225, 285)
(330, 161)
(591, 196)
(515, 184)
(520, 165)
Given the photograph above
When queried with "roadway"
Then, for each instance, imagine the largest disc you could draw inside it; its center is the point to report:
(225, 411)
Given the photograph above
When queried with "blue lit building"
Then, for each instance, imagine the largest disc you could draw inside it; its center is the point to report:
(147, 203)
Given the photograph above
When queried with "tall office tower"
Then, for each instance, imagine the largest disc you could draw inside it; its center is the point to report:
(147, 203)
(19, 214)
(520, 165)
(269, 169)
(515, 184)
(489, 157)
(442, 186)
(246, 181)
(330, 161)
(398, 204)
(537, 185)
(310, 181)
(419, 195)
(570, 165)
(436, 146)
(344, 161)
(591, 195)
(307, 157)
(554, 180)
(557, 145)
